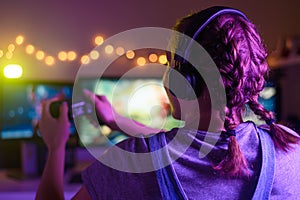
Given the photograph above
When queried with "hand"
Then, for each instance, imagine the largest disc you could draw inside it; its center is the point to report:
(107, 114)
(55, 132)
(104, 110)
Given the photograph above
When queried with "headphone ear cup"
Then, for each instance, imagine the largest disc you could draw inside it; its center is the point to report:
(176, 84)
(185, 82)
(190, 83)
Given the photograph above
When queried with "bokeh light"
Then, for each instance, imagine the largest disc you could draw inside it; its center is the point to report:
(11, 47)
(153, 57)
(98, 40)
(105, 130)
(20, 39)
(29, 49)
(13, 71)
(120, 51)
(71, 55)
(85, 59)
(141, 61)
(162, 59)
(94, 54)
(62, 56)
(1, 53)
(9, 55)
(40, 55)
(49, 60)
(130, 54)
(109, 49)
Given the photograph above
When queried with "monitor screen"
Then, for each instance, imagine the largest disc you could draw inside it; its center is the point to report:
(21, 106)
(268, 98)
(141, 99)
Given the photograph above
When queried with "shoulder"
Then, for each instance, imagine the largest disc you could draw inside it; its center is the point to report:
(131, 153)
(125, 167)
(287, 164)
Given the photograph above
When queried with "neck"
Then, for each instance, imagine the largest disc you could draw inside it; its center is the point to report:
(209, 121)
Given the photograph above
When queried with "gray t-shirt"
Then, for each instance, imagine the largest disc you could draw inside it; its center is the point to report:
(196, 175)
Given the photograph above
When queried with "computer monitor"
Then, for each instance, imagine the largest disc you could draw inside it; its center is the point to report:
(21, 106)
(269, 99)
(141, 99)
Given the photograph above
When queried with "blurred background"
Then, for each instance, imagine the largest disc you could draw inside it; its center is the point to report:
(43, 44)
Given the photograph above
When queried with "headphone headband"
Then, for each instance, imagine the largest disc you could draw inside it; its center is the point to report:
(206, 17)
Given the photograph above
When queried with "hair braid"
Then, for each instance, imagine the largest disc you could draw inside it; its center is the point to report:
(237, 49)
(234, 163)
(282, 139)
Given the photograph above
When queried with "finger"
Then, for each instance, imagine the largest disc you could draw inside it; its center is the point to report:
(45, 108)
(60, 97)
(56, 98)
(89, 94)
(63, 110)
(102, 97)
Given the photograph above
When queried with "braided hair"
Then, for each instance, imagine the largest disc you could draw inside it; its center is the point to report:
(238, 51)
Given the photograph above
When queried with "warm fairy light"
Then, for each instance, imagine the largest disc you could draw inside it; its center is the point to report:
(85, 59)
(153, 57)
(29, 49)
(130, 54)
(94, 54)
(141, 61)
(105, 130)
(62, 56)
(162, 59)
(120, 51)
(49, 60)
(109, 49)
(13, 71)
(11, 47)
(19, 39)
(99, 40)
(40, 55)
(9, 55)
(1, 53)
(71, 55)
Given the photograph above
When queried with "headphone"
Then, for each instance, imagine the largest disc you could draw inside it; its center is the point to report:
(188, 82)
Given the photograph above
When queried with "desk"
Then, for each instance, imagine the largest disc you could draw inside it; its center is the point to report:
(14, 189)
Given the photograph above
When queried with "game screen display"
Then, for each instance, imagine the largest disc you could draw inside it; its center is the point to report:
(21, 107)
(267, 98)
(141, 99)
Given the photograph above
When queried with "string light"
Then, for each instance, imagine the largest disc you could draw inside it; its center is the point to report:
(162, 59)
(85, 59)
(130, 54)
(29, 49)
(19, 39)
(120, 51)
(9, 55)
(71, 55)
(40, 55)
(94, 54)
(141, 61)
(109, 49)
(49, 60)
(11, 47)
(153, 57)
(98, 40)
(62, 56)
